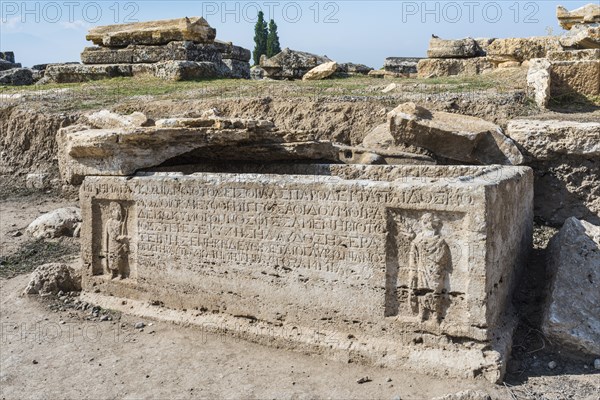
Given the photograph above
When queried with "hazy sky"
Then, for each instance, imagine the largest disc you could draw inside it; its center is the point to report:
(359, 31)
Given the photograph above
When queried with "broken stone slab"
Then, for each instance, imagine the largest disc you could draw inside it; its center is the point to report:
(168, 70)
(454, 136)
(60, 222)
(52, 278)
(122, 151)
(552, 139)
(290, 64)
(572, 316)
(257, 73)
(522, 49)
(402, 65)
(434, 68)
(461, 48)
(194, 29)
(16, 77)
(183, 51)
(582, 37)
(587, 14)
(7, 56)
(379, 73)
(240, 253)
(322, 71)
(539, 81)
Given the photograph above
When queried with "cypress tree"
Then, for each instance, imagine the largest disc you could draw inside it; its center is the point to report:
(273, 46)
(260, 38)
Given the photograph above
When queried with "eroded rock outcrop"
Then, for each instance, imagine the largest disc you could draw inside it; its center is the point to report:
(572, 315)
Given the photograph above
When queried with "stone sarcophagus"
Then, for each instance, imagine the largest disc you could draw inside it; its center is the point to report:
(402, 266)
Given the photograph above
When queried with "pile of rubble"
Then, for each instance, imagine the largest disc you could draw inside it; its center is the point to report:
(176, 49)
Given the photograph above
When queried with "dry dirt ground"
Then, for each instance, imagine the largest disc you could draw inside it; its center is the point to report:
(52, 349)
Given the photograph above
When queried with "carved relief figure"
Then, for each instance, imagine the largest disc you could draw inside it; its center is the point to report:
(116, 245)
(429, 262)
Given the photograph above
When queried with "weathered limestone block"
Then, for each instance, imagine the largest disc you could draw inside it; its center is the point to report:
(61, 222)
(522, 49)
(575, 78)
(231, 68)
(483, 44)
(401, 65)
(16, 77)
(587, 14)
(551, 139)
(38, 181)
(572, 315)
(290, 64)
(194, 29)
(461, 48)
(539, 80)
(257, 73)
(433, 68)
(454, 136)
(565, 156)
(582, 37)
(574, 55)
(321, 71)
(173, 51)
(168, 70)
(378, 73)
(72, 73)
(395, 262)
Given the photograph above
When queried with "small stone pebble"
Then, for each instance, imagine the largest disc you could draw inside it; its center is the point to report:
(597, 363)
(552, 364)
(139, 325)
(364, 379)
(17, 234)
(388, 380)
(35, 361)
(105, 318)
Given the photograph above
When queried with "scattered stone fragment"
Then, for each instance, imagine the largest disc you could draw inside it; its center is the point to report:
(552, 365)
(322, 71)
(37, 181)
(60, 222)
(597, 363)
(52, 278)
(571, 315)
(139, 325)
(389, 88)
(364, 379)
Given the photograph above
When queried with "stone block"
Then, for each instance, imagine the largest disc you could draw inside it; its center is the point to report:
(572, 316)
(6, 65)
(396, 266)
(461, 48)
(290, 64)
(539, 80)
(321, 71)
(574, 55)
(582, 37)
(521, 49)
(575, 78)
(194, 29)
(434, 68)
(16, 77)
